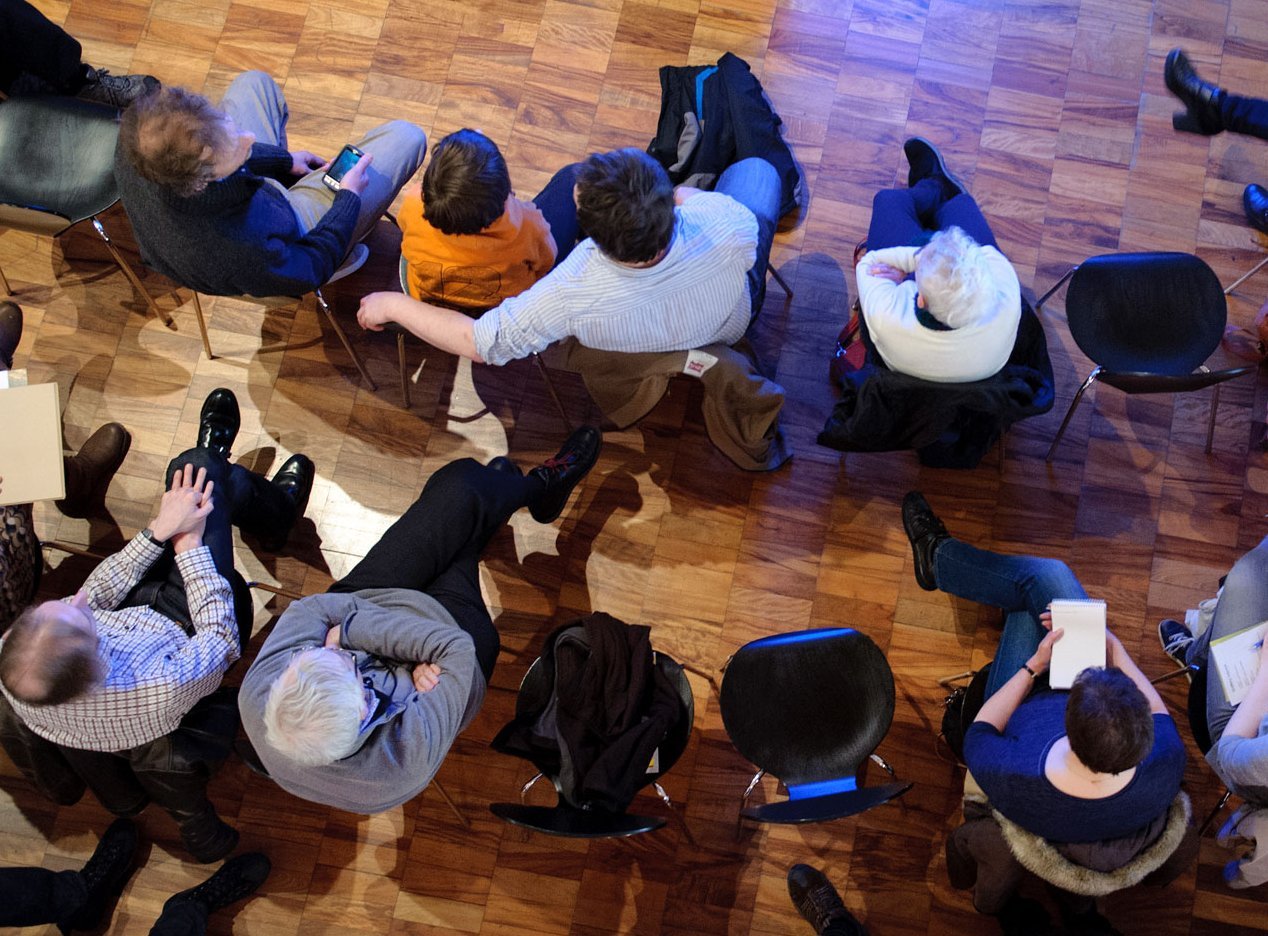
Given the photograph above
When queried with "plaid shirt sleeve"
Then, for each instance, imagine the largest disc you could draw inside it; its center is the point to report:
(215, 642)
(111, 581)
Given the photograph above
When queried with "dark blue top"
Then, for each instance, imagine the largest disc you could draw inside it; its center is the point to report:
(239, 235)
(1008, 766)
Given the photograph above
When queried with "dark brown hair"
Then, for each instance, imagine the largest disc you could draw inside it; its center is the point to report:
(466, 185)
(1107, 721)
(625, 202)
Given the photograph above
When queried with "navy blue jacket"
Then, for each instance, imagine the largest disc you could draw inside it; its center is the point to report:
(239, 235)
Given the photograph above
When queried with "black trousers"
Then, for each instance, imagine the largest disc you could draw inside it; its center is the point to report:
(239, 498)
(435, 546)
(34, 896)
(32, 45)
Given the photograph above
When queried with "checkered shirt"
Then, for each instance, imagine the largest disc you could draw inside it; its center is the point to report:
(155, 672)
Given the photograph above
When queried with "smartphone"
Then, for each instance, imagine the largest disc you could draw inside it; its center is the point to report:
(347, 158)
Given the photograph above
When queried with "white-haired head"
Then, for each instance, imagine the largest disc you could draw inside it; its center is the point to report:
(952, 277)
(314, 709)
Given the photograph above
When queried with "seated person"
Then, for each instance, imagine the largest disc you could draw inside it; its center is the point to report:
(1102, 760)
(358, 694)
(118, 665)
(468, 241)
(220, 205)
(39, 57)
(956, 321)
(661, 270)
(1239, 733)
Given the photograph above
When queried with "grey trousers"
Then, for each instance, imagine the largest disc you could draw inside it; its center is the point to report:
(255, 103)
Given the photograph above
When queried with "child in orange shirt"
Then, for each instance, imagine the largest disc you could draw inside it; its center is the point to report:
(468, 241)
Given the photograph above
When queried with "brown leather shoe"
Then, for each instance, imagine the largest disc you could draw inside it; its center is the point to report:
(10, 332)
(88, 472)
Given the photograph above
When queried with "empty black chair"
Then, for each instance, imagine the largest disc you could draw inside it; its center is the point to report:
(811, 707)
(1147, 321)
(58, 158)
(566, 819)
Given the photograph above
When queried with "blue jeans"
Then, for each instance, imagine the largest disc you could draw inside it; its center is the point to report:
(1022, 585)
(1242, 604)
(557, 206)
(754, 183)
(909, 217)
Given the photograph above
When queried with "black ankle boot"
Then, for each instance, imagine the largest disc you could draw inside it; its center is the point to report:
(105, 874)
(1201, 99)
(1255, 201)
(295, 480)
(560, 474)
(926, 533)
(205, 835)
(219, 422)
(237, 879)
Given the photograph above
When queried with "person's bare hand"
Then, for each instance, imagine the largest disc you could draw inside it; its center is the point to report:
(304, 162)
(183, 512)
(426, 677)
(332, 638)
(1042, 656)
(885, 271)
(375, 310)
(355, 179)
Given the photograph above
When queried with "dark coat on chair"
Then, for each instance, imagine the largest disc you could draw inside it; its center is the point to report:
(950, 425)
(715, 115)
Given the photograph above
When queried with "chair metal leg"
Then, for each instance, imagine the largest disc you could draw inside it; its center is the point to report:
(528, 786)
(780, 280)
(275, 590)
(752, 785)
(550, 386)
(334, 323)
(4, 283)
(132, 277)
(1059, 284)
(1210, 425)
(1173, 674)
(1214, 812)
(450, 803)
(1255, 269)
(400, 356)
(1074, 404)
(202, 326)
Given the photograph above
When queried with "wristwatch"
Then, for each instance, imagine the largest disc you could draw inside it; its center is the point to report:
(149, 535)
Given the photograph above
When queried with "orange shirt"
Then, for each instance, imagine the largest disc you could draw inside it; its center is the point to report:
(476, 271)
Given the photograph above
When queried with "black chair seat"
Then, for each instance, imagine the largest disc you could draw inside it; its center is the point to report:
(575, 823)
(810, 706)
(1170, 383)
(1156, 313)
(58, 155)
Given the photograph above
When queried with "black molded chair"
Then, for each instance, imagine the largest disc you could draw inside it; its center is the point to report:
(811, 707)
(566, 820)
(1196, 710)
(1146, 320)
(58, 158)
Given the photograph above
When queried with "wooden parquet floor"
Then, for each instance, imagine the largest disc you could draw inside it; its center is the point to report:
(1053, 111)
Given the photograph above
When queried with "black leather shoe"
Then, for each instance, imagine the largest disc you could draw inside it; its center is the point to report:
(926, 533)
(237, 879)
(295, 479)
(105, 874)
(926, 161)
(10, 332)
(1255, 201)
(219, 423)
(559, 475)
(818, 901)
(1201, 99)
(206, 836)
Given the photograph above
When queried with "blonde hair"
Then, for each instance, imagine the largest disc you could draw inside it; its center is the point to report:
(952, 276)
(313, 712)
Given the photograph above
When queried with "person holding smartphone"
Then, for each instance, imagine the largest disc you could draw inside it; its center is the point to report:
(220, 203)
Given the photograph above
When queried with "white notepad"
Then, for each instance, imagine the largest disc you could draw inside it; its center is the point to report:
(1236, 659)
(1083, 643)
(31, 454)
